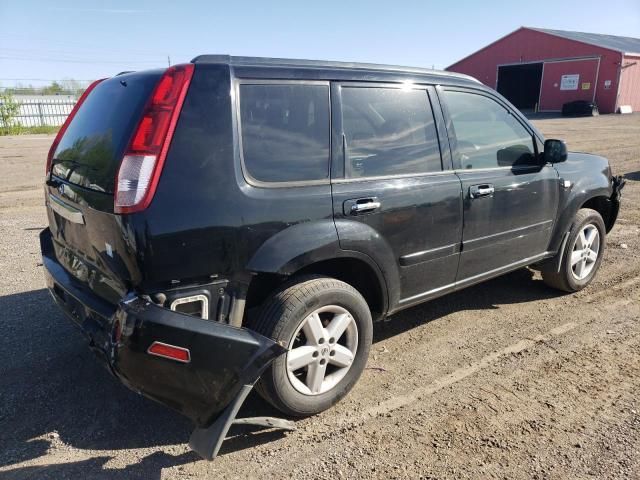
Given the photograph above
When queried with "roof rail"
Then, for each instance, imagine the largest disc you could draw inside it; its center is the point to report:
(301, 63)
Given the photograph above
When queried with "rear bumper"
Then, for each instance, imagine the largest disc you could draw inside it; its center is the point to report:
(222, 358)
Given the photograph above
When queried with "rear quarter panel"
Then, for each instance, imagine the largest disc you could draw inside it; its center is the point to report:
(205, 218)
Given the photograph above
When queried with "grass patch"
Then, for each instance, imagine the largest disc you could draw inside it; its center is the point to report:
(28, 130)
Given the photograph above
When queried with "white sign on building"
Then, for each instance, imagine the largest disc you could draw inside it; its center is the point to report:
(569, 82)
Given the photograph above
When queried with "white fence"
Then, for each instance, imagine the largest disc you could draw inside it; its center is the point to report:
(40, 111)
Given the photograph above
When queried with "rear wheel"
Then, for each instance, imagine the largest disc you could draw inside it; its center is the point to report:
(582, 254)
(326, 326)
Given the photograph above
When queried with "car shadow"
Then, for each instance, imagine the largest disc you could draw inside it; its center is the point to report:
(531, 115)
(515, 287)
(55, 395)
(635, 176)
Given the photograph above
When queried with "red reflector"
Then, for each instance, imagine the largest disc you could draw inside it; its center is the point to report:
(66, 123)
(170, 351)
(141, 167)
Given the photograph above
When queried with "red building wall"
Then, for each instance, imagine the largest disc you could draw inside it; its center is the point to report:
(630, 83)
(525, 45)
(551, 94)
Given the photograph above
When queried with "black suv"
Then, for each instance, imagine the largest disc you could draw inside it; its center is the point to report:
(239, 220)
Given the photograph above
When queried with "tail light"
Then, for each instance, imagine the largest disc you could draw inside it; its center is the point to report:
(66, 123)
(144, 158)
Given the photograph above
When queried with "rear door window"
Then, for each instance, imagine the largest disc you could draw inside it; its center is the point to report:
(388, 131)
(285, 132)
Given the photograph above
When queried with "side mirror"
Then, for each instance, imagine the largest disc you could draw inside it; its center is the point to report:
(555, 151)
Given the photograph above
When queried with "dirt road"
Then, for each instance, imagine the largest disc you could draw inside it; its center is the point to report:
(508, 379)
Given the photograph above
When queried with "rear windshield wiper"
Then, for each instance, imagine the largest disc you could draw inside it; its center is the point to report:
(74, 164)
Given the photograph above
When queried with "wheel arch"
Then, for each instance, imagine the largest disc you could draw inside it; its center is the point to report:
(353, 268)
(599, 198)
(606, 207)
(314, 248)
(590, 186)
(360, 273)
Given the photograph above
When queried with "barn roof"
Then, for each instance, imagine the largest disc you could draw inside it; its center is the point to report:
(626, 45)
(612, 42)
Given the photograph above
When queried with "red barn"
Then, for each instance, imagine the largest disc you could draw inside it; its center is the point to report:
(543, 69)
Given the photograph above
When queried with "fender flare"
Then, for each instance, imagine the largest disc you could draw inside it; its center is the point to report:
(305, 244)
(589, 177)
(568, 210)
(295, 247)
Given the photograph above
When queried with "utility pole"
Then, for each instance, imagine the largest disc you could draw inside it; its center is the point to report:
(169, 60)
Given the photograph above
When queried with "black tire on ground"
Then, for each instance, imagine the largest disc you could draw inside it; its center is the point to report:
(280, 318)
(564, 278)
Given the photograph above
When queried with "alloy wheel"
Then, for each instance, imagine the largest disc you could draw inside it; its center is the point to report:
(322, 350)
(586, 249)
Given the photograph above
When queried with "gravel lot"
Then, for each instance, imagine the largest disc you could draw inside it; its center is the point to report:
(508, 379)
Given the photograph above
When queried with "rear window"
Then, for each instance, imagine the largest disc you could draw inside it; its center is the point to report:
(285, 131)
(91, 149)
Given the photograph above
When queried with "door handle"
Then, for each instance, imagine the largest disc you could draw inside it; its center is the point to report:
(361, 205)
(484, 190)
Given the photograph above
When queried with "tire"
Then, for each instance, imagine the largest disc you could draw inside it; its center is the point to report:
(287, 318)
(572, 277)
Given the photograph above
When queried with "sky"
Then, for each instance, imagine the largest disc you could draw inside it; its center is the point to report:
(41, 41)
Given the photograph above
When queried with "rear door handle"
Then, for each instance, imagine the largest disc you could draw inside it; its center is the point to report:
(361, 205)
(483, 190)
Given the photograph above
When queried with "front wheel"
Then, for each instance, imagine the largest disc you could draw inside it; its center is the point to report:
(582, 254)
(326, 326)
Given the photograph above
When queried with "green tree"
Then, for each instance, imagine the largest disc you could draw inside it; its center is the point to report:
(53, 89)
(9, 108)
(71, 86)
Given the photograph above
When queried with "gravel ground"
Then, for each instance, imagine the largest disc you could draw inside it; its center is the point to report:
(508, 379)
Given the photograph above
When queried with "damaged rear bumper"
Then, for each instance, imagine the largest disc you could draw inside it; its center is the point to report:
(223, 360)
